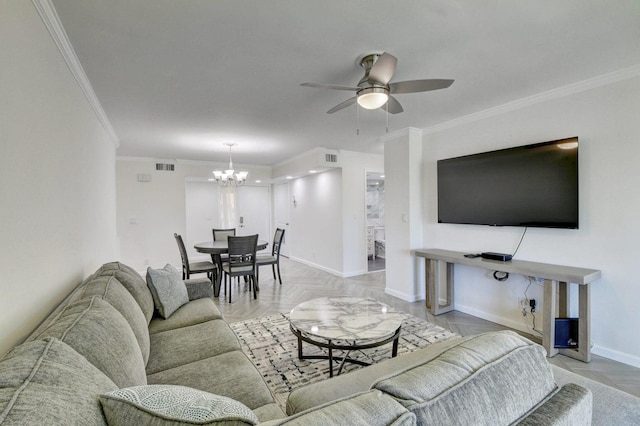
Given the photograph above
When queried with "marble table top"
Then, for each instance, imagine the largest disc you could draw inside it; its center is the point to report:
(345, 318)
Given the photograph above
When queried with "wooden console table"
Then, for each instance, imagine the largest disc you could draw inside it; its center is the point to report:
(439, 276)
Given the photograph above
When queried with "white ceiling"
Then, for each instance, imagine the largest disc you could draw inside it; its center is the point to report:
(179, 79)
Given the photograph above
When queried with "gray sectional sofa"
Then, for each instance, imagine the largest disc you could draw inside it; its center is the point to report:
(106, 355)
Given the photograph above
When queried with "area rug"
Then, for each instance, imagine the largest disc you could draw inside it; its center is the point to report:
(273, 349)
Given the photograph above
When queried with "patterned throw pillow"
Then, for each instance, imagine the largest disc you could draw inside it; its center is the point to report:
(167, 288)
(168, 404)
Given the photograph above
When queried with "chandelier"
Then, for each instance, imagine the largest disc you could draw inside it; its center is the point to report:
(229, 176)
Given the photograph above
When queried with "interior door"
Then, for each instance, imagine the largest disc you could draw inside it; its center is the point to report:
(282, 214)
(202, 215)
(254, 212)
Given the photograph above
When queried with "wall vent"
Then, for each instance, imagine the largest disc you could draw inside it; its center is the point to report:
(331, 158)
(165, 167)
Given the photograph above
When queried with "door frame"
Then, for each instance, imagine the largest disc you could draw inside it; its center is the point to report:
(286, 246)
(366, 221)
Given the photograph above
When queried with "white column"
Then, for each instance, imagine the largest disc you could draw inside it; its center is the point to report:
(403, 213)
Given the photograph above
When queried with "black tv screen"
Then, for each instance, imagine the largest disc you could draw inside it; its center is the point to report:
(530, 186)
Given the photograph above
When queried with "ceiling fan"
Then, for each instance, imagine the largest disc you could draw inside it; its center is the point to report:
(374, 90)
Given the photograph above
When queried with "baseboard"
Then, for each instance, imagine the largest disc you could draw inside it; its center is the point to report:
(401, 295)
(355, 273)
(622, 357)
(507, 322)
(611, 354)
(315, 265)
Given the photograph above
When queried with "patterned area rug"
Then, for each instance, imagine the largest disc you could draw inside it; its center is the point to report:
(273, 348)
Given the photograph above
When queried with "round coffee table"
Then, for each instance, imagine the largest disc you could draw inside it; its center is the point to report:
(344, 323)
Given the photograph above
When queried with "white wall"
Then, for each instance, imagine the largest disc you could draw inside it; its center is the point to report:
(403, 212)
(149, 213)
(328, 224)
(605, 119)
(354, 214)
(316, 221)
(201, 208)
(57, 177)
(327, 228)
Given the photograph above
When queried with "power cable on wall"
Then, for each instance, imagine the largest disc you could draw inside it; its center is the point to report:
(521, 238)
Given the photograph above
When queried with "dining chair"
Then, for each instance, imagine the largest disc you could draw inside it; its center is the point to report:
(223, 234)
(242, 262)
(274, 258)
(189, 268)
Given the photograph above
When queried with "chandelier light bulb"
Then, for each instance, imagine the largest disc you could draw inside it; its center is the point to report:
(227, 177)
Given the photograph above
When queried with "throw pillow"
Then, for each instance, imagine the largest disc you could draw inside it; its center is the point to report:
(167, 289)
(165, 404)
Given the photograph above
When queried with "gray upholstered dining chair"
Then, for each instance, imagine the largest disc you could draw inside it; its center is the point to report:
(274, 258)
(189, 268)
(242, 262)
(223, 234)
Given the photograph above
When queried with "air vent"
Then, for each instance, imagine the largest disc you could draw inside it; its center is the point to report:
(165, 167)
(331, 158)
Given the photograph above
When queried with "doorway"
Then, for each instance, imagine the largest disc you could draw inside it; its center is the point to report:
(254, 212)
(249, 211)
(282, 214)
(375, 222)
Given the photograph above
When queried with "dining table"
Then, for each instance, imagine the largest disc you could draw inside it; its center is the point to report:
(216, 249)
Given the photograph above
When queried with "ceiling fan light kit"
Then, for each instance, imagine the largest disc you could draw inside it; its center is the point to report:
(372, 97)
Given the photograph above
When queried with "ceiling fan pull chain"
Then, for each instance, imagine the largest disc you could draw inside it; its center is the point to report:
(386, 107)
(357, 120)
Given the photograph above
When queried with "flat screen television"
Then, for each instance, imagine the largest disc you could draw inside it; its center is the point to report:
(530, 186)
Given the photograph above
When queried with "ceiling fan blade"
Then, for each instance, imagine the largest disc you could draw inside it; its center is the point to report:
(342, 105)
(383, 69)
(412, 86)
(394, 106)
(330, 86)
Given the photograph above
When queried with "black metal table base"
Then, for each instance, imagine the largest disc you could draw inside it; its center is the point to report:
(331, 346)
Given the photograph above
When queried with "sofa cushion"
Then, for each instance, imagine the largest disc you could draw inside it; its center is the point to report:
(133, 282)
(194, 312)
(360, 380)
(199, 288)
(111, 290)
(570, 406)
(230, 374)
(492, 378)
(97, 331)
(47, 382)
(172, 348)
(269, 412)
(169, 404)
(369, 408)
(167, 289)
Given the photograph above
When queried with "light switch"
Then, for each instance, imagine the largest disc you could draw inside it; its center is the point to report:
(404, 218)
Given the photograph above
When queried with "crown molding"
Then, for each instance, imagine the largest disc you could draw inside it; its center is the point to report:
(51, 20)
(313, 151)
(225, 162)
(136, 159)
(205, 163)
(574, 88)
